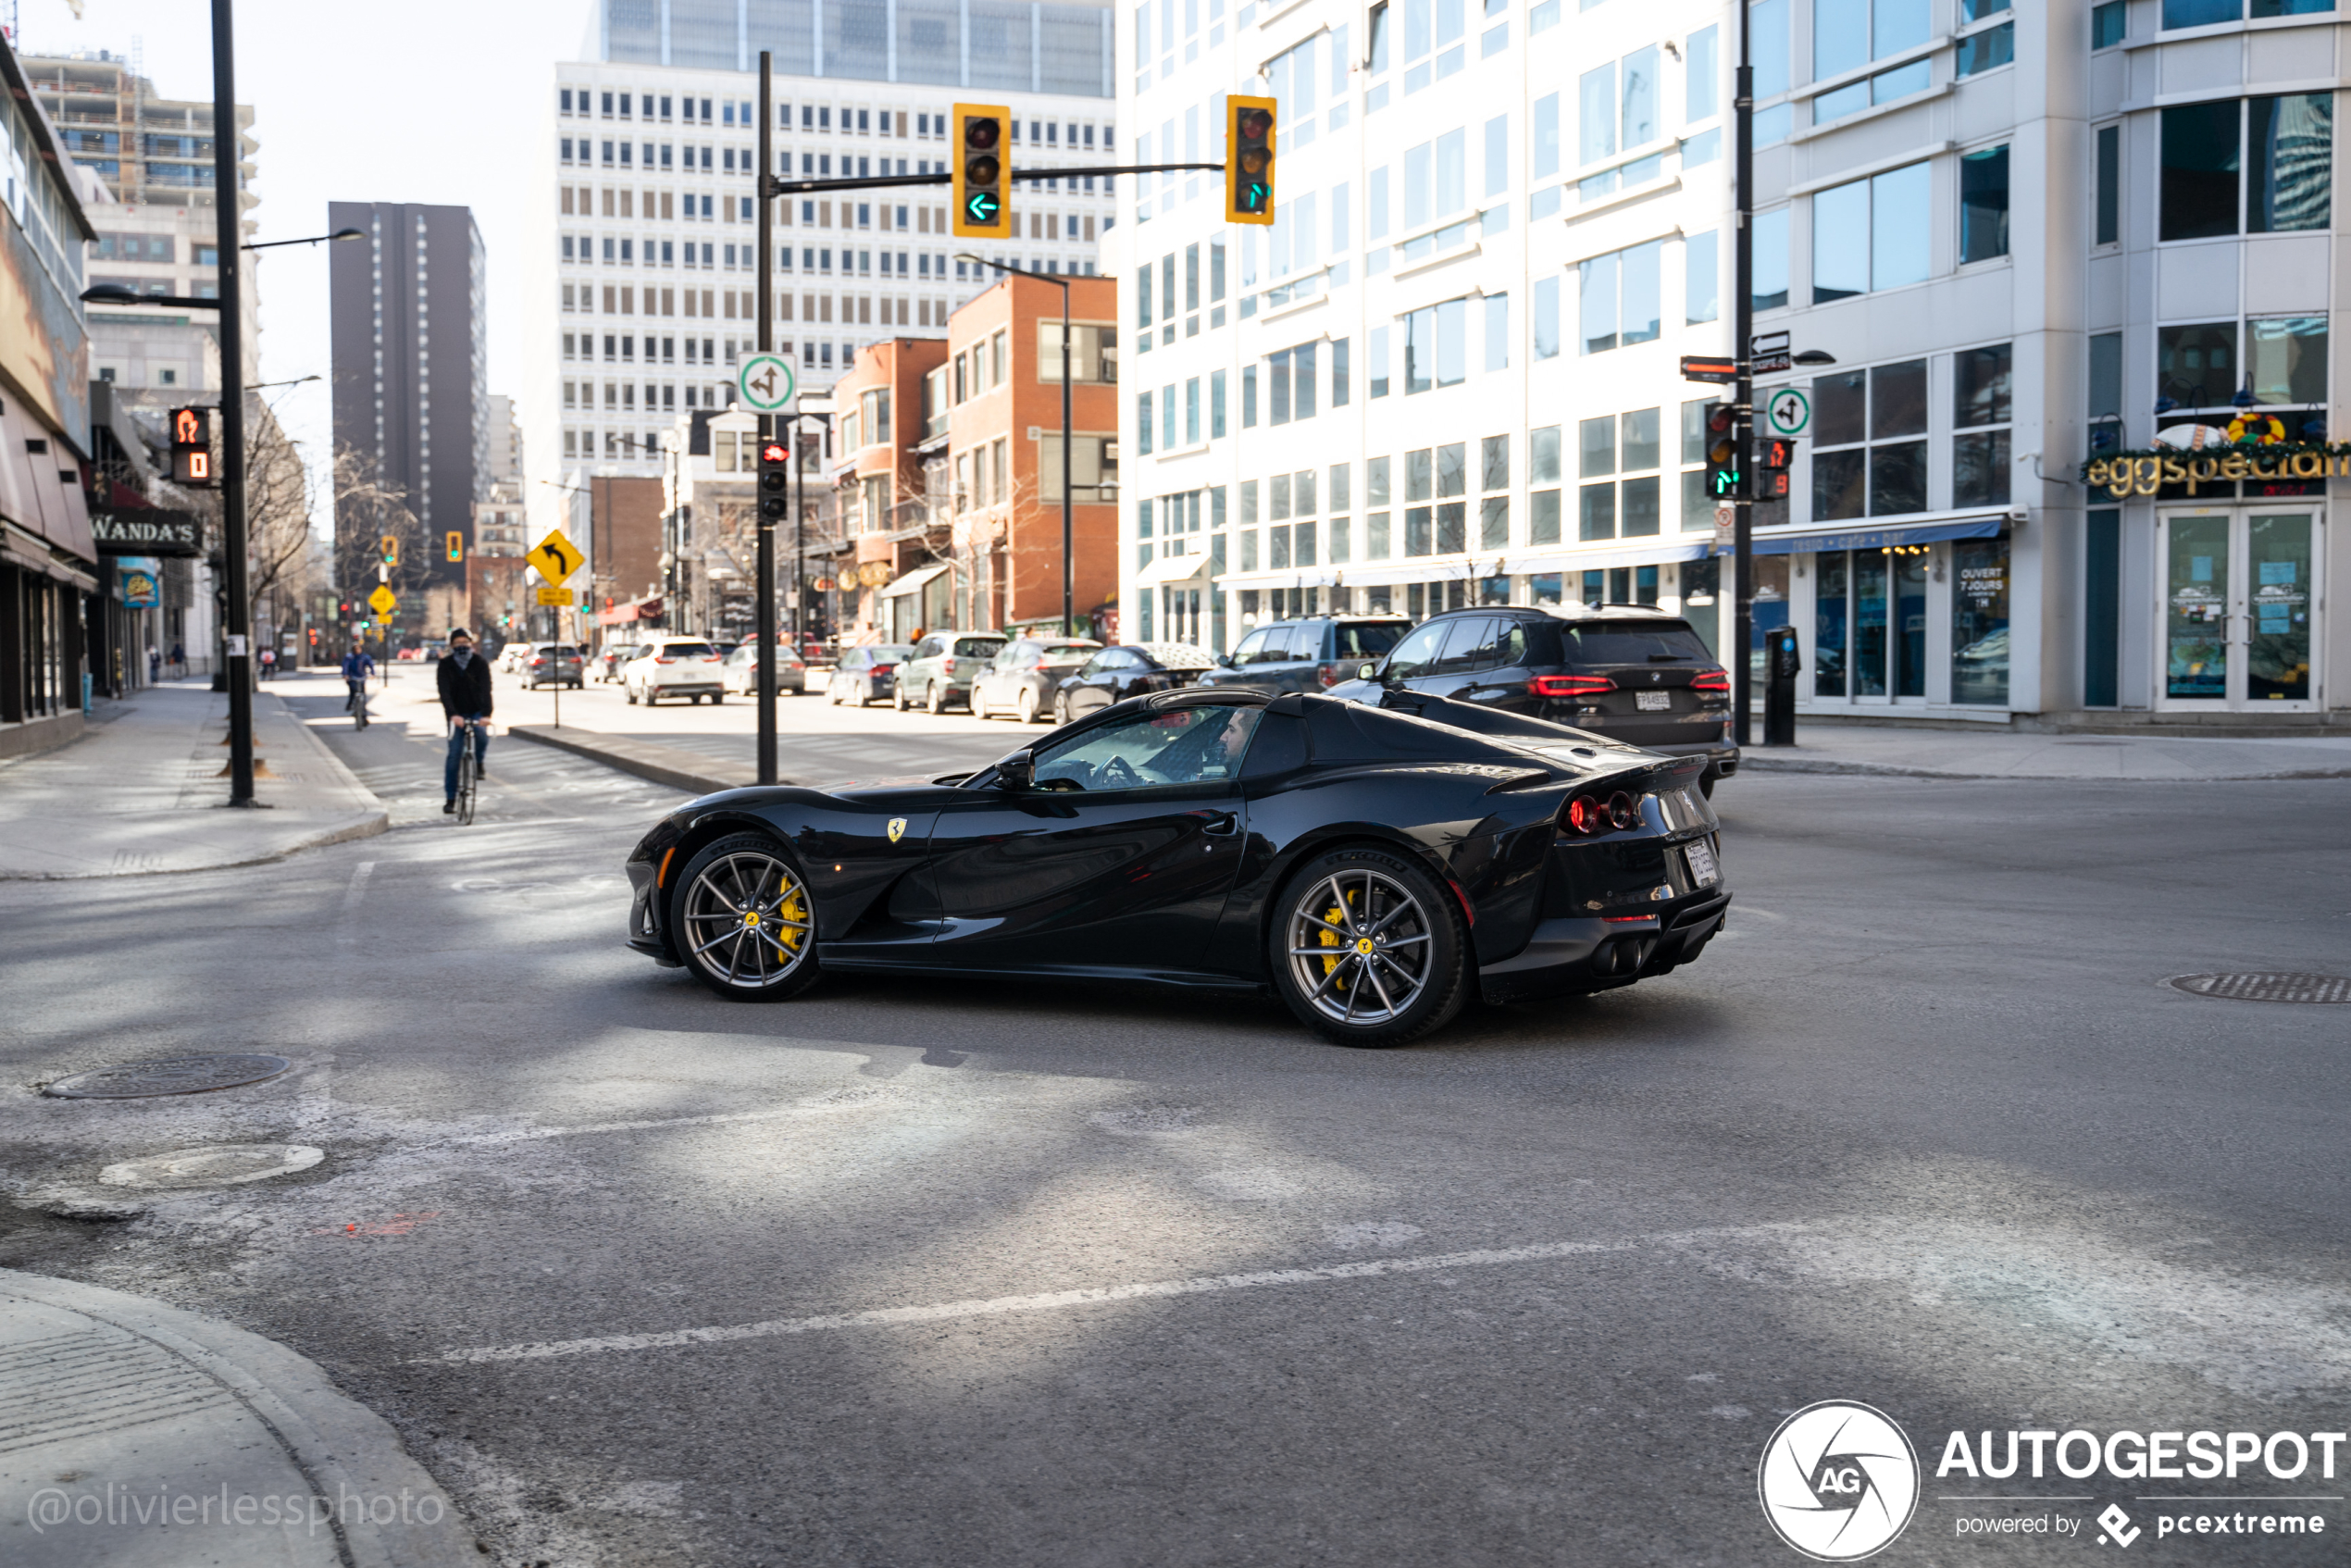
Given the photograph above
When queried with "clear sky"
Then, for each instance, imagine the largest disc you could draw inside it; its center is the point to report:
(428, 101)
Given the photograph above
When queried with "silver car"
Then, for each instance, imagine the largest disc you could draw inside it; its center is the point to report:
(1026, 673)
(552, 664)
(740, 672)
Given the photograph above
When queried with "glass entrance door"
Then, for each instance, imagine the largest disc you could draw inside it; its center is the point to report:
(2238, 629)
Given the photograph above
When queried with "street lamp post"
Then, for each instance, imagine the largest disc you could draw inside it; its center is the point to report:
(1069, 566)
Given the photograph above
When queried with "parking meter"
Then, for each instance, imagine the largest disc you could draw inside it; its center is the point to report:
(1781, 665)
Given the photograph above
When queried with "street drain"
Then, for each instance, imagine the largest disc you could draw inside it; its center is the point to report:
(181, 1074)
(2264, 988)
(222, 1165)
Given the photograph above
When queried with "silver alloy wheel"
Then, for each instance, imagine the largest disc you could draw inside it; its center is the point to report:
(1027, 709)
(1359, 946)
(745, 920)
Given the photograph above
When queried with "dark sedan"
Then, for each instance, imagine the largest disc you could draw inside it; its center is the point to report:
(1630, 672)
(1312, 654)
(1374, 868)
(865, 675)
(1131, 669)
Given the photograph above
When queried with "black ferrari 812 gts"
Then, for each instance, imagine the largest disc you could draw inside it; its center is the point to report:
(1373, 866)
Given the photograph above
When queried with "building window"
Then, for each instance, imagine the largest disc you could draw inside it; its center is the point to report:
(1437, 346)
(2109, 186)
(2279, 151)
(1869, 442)
(1543, 469)
(1871, 234)
(1701, 278)
(2109, 23)
(1980, 400)
(1987, 50)
(1622, 297)
(1143, 422)
(1984, 205)
(1848, 34)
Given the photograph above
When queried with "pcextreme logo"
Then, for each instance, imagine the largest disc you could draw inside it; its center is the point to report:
(1839, 1481)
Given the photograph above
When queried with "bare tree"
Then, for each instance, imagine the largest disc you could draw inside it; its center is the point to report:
(368, 511)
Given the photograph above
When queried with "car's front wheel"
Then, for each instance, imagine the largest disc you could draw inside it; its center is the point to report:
(934, 700)
(1060, 708)
(744, 920)
(1368, 949)
(898, 699)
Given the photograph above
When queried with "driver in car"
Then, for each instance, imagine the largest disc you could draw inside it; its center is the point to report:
(1187, 746)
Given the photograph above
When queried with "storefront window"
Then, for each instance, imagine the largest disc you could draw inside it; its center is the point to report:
(1868, 623)
(1980, 621)
(2195, 365)
(2286, 357)
(1701, 600)
(2277, 663)
(1771, 610)
(1830, 604)
(2196, 617)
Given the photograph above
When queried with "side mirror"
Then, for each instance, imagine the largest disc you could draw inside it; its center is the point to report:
(1366, 672)
(1017, 771)
(1223, 660)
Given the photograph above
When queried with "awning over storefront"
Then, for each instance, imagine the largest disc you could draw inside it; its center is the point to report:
(625, 615)
(1172, 568)
(1655, 555)
(912, 582)
(1811, 537)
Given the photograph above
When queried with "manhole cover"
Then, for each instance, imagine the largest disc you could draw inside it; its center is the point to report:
(2264, 988)
(181, 1074)
(221, 1165)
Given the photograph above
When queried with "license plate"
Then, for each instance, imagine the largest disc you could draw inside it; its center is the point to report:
(1652, 701)
(1703, 870)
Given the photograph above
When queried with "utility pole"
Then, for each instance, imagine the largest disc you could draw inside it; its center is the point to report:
(228, 237)
(1743, 390)
(764, 614)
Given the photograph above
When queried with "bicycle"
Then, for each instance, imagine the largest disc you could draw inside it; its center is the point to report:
(469, 772)
(356, 704)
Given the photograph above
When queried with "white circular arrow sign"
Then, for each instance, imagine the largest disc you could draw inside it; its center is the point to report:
(766, 383)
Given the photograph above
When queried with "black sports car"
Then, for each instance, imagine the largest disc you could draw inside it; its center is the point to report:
(1373, 864)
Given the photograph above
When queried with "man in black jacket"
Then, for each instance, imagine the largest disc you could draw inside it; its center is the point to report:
(464, 679)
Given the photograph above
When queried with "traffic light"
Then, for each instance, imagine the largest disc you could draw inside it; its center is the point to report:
(1773, 454)
(388, 549)
(192, 447)
(775, 478)
(1249, 160)
(981, 210)
(457, 546)
(1722, 452)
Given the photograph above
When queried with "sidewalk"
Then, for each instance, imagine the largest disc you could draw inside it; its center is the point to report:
(2004, 754)
(139, 793)
(134, 1433)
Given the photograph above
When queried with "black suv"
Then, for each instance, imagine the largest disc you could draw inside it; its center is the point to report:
(1306, 655)
(1624, 671)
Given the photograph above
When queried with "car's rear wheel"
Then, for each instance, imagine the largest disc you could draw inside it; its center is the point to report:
(630, 692)
(1368, 949)
(1027, 709)
(1706, 782)
(1060, 709)
(898, 699)
(744, 923)
(936, 699)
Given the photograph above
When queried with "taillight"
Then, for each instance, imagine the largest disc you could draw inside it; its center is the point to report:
(1327, 674)
(663, 659)
(1716, 682)
(1569, 685)
(1587, 814)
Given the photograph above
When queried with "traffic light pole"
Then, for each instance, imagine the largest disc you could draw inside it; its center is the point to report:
(763, 623)
(229, 221)
(1743, 390)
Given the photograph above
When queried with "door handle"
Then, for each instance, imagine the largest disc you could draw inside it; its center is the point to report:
(1223, 825)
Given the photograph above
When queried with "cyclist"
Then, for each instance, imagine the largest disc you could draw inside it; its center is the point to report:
(356, 667)
(464, 679)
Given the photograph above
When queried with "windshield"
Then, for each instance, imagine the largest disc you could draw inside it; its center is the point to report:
(1367, 640)
(1633, 642)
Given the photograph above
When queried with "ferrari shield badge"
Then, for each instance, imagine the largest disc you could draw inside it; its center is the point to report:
(897, 829)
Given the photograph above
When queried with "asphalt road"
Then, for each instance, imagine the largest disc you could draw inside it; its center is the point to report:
(1015, 1276)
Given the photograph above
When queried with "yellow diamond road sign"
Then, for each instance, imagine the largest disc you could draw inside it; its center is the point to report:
(557, 557)
(381, 600)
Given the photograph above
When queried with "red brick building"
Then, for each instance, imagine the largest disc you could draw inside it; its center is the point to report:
(891, 535)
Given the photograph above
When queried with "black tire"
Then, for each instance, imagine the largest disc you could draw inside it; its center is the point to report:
(630, 694)
(1706, 782)
(1372, 973)
(726, 893)
(716, 698)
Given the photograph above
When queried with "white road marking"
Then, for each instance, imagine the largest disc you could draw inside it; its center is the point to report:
(349, 932)
(1090, 1296)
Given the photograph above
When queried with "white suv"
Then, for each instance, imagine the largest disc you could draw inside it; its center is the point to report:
(673, 666)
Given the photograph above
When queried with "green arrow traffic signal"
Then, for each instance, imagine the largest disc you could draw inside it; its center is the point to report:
(981, 208)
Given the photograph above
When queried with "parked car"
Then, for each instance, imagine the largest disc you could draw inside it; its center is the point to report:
(739, 671)
(609, 663)
(1375, 872)
(865, 675)
(1628, 672)
(552, 664)
(1023, 676)
(1130, 669)
(673, 667)
(940, 670)
(1312, 654)
(510, 657)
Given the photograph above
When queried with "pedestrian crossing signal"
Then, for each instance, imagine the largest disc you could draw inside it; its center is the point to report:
(192, 447)
(981, 209)
(1773, 455)
(1249, 160)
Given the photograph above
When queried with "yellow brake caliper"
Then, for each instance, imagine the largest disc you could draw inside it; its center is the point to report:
(789, 910)
(1330, 939)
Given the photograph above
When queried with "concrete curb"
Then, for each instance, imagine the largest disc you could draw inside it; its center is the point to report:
(1750, 763)
(673, 766)
(342, 1447)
